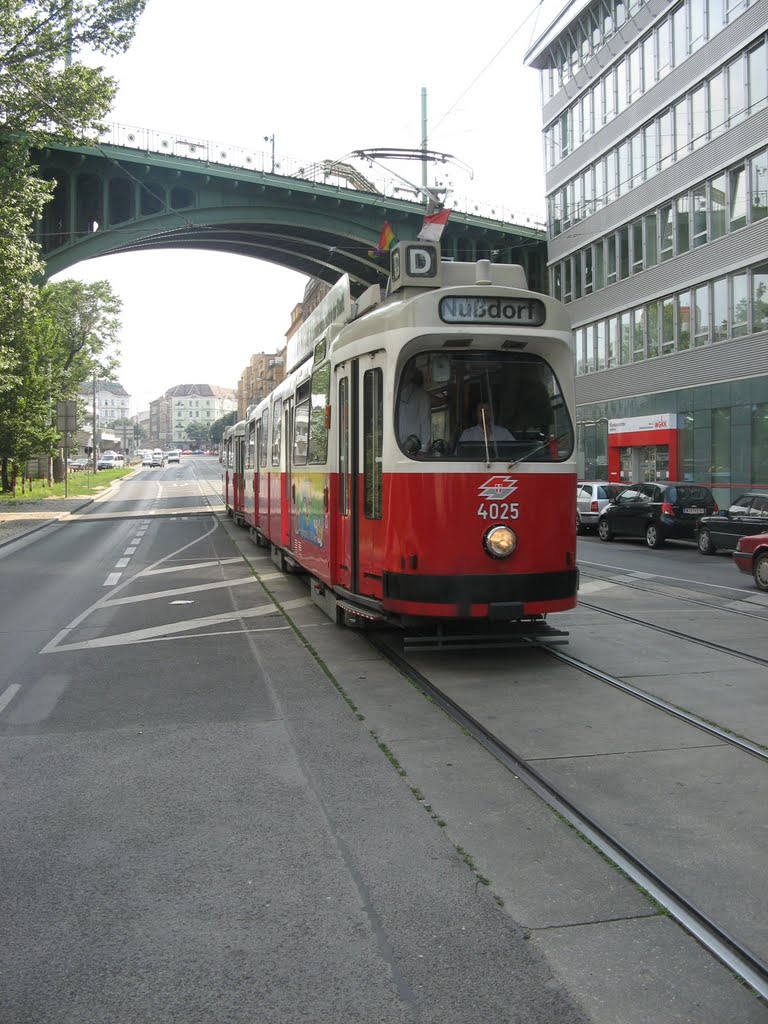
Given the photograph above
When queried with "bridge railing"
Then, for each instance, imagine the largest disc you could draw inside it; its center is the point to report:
(204, 151)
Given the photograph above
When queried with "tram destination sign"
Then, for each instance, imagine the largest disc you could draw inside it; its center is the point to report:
(492, 309)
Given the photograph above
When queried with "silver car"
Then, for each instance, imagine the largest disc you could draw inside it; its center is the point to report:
(592, 496)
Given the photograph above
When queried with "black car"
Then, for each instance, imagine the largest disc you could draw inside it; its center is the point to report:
(657, 512)
(721, 532)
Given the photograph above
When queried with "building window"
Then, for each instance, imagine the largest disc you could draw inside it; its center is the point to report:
(682, 225)
(760, 444)
(698, 117)
(737, 191)
(613, 341)
(684, 320)
(739, 304)
(651, 240)
(610, 276)
(737, 98)
(720, 309)
(758, 78)
(638, 334)
(701, 311)
(625, 321)
(717, 207)
(652, 328)
(599, 254)
(679, 36)
(760, 297)
(721, 446)
(637, 246)
(667, 326)
(699, 202)
(666, 234)
(624, 252)
(758, 186)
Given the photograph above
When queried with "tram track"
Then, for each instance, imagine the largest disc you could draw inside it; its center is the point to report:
(678, 595)
(725, 946)
(677, 634)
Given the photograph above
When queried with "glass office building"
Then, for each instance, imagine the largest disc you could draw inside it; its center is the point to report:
(656, 155)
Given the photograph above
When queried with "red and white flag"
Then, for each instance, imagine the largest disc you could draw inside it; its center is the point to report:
(433, 226)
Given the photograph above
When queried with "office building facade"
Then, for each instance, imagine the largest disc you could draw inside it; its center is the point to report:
(656, 155)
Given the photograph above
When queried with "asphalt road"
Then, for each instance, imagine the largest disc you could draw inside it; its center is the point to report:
(196, 825)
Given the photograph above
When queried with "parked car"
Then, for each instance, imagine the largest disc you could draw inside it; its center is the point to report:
(751, 556)
(721, 532)
(76, 464)
(592, 496)
(173, 456)
(110, 460)
(187, 451)
(656, 511)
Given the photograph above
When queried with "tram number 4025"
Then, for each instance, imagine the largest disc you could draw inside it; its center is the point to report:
(498, 510)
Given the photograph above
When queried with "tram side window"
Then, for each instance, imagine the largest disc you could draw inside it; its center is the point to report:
(481, 406)
(373, 431)
(318, 425)
(277, 413)
(344, 468)
(264, 426)
(301, 426)
(250, 445)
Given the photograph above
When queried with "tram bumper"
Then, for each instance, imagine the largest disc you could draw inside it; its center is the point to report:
(498, 597)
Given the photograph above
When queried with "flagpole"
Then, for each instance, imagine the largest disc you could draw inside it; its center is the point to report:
(424, 137)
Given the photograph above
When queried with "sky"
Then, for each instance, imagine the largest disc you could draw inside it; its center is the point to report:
(324, 80)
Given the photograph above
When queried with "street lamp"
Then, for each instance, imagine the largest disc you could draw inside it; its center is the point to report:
(271, 138)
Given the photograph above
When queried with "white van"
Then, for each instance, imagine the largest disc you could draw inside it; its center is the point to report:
(110, 460)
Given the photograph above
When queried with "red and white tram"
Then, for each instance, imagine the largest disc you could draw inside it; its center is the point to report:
(232, 477)
(418, 460)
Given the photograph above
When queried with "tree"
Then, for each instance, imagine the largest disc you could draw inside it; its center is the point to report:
(216, 432)
(44, 94)
(197, 431)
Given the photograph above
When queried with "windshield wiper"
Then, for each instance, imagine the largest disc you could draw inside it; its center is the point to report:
(540, 447)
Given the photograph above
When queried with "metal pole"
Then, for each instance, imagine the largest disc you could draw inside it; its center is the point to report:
(424, 135)
(95, 446)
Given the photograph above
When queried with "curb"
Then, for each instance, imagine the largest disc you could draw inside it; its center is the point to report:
(60, 515)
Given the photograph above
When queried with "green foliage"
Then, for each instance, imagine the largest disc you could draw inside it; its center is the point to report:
(197, 431)
(216, 432)
(48, 342)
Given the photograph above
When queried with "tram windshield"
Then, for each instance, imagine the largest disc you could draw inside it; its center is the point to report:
(481, 407)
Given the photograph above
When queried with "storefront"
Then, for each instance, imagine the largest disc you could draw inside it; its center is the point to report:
(643, 448)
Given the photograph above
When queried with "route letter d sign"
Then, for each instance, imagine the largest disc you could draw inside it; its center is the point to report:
(416, 265)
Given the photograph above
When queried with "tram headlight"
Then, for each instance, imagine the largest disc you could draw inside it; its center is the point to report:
(500, 541)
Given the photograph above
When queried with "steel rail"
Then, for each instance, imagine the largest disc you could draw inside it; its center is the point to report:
(720, 648)
(736, 956)
(677, 596)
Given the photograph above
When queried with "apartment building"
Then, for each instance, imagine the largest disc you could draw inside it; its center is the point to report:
(655, 133)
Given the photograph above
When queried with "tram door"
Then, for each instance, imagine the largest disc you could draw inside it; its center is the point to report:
(286, 499)
(345, 549)
(370, 507)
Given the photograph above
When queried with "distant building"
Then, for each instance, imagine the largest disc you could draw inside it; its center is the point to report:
(171, 414)
(266, 370)
(112, 403)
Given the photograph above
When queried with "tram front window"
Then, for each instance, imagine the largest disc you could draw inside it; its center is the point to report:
(482, 406)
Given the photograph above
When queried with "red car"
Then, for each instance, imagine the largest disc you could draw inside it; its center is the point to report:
(751, 556)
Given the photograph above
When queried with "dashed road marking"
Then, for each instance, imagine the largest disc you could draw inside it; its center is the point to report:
(7, 697)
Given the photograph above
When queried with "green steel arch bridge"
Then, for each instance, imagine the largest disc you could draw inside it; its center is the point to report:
(135, 189)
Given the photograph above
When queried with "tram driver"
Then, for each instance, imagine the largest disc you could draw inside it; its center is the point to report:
(485, 429)
(414, 412)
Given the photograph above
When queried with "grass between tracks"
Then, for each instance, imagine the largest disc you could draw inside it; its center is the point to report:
(83, 483)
